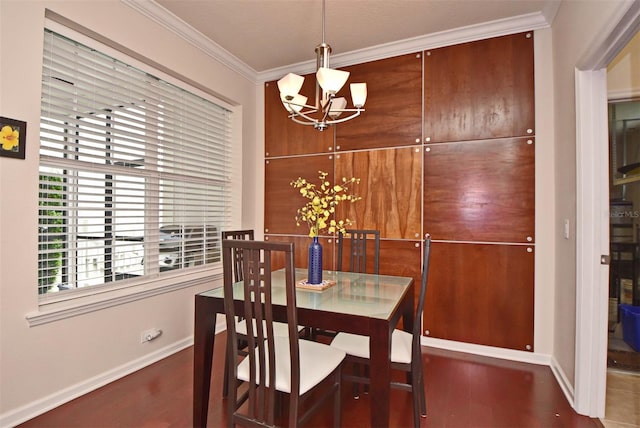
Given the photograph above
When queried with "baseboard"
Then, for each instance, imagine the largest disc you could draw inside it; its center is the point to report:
(563, 381)
(488, 351)
(38, 407)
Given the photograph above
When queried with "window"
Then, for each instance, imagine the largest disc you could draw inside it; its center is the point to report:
(134, 172)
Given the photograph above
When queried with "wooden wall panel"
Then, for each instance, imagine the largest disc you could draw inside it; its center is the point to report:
(475, 173)
(301, 251)
(478, 90)
(283, 137)
(281, 200)
(390, 188)
(393, 111)
(481, 293)
(480, 191)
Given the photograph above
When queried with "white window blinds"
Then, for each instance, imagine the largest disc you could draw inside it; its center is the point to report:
(134, 172)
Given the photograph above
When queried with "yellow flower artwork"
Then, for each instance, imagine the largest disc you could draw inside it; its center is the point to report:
(12, 138)
(9, 137)
(322, 200)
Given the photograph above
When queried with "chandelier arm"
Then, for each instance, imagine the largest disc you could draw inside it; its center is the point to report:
(326, 109)
(303, 114)
(312, 109)
(344, 119)
(302, 122)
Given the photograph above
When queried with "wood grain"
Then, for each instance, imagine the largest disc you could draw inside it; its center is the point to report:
(478, 90)
(281, 200)
(283, 137)
(393, 111)
(481, 293)
(480, 191)
(390, 188)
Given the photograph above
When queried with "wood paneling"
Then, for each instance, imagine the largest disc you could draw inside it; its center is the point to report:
(481, 293)
(301, 250)
(393, 111)
(283, 137)
(390, 188)
(480, 191)
(281, 200)
(459, 167)
(478, 90)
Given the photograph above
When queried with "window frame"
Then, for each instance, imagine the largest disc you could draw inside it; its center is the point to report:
(54, 306)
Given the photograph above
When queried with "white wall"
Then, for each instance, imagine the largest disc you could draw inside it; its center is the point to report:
(577, 25)
(39, 363)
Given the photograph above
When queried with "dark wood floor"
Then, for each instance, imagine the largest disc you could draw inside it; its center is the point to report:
(461, 390)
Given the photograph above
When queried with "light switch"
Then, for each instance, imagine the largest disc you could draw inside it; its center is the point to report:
(566, 228)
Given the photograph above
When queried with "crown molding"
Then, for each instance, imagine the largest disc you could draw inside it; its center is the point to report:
(486, 30)
(501, 27)
(169, 21)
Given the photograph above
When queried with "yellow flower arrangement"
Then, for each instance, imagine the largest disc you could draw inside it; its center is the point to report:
(9, 137)
(322, 202)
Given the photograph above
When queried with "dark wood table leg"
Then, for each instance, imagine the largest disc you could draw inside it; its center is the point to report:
(380, 353)
(203, 338)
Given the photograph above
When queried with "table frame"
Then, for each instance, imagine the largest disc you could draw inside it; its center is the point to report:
(379, 330)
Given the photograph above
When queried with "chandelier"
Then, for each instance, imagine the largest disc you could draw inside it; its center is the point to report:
(327, 108)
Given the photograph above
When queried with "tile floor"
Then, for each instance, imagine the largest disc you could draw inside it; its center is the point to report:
(622, 408)
(623, 400)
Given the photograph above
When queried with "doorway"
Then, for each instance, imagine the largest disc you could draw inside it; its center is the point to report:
(593, 216)
(624, 233)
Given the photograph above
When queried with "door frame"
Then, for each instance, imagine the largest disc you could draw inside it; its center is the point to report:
(592, 211)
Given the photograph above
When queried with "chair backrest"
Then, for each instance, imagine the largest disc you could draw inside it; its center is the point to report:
(417, 320)
(237, 255)
(257, 290)
(358, 251)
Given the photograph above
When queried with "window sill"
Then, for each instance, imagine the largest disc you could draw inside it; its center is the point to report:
(73, 305)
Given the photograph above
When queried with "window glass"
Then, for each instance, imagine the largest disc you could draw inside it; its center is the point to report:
(134, 172)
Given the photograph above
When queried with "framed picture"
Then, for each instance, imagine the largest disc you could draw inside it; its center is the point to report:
(13, 137)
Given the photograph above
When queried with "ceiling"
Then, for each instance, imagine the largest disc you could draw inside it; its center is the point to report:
(271, 34)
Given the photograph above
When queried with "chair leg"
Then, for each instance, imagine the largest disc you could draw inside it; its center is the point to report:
(294, 404)
(337, 400)
(417, 392)
(225, 380)
(423, 400)
(356, 386)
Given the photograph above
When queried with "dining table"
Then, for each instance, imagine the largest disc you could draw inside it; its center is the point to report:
(366, 304)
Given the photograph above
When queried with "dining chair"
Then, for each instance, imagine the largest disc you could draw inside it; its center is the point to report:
(358, 260)
(275, 364)
(406, 354)
(236, 266)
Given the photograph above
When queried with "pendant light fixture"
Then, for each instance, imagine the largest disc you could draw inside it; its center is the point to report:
(328, 108)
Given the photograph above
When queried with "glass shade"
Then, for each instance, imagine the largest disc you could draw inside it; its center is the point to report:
(358, 94)
(331, 80)
(290, 85)
(336, 105)
(294, 105)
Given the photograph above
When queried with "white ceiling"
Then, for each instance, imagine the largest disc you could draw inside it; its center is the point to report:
(271, 34)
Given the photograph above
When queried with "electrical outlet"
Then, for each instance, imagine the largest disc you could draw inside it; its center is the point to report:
(149, 335)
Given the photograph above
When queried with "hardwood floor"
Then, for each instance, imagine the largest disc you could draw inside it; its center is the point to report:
(462, 391)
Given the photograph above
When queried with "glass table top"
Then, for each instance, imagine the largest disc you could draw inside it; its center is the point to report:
(373, 296)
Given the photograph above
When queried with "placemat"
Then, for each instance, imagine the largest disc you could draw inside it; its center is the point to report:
(317, 287)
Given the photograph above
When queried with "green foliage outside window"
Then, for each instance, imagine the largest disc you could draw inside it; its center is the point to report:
(50, 231)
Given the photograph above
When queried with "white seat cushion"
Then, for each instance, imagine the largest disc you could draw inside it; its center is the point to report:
(279, 328)
(358, 346)
(317, 361)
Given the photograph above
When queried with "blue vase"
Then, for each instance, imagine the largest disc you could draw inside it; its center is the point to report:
(315, 262)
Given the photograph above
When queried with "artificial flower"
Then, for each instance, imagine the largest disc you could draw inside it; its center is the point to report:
(321, 203)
